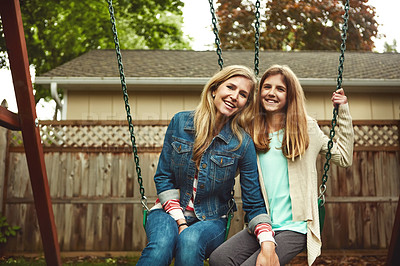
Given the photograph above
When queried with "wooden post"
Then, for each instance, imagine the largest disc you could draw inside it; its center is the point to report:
(17, 53)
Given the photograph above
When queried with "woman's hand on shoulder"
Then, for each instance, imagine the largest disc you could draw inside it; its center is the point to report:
(339, 97)
(267, 256)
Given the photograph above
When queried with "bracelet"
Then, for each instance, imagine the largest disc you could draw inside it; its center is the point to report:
(183, 224)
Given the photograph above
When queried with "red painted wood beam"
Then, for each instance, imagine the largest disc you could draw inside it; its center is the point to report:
(15, 41)
(9, 119)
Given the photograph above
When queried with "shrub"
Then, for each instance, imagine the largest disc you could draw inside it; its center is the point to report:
(6, 230)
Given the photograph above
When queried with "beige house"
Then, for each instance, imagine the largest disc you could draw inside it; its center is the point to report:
(163, 82)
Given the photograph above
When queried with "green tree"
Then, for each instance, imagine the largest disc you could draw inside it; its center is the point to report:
(390, 48)
(297, 25)
(57, 31)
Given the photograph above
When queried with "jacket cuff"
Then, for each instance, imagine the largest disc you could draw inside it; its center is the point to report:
(344, 109)
(168, 195)
(261, 218)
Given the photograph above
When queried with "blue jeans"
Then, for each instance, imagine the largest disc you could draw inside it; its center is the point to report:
(191, 247)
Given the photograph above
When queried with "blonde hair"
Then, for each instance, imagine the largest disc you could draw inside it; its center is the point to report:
(205, 113)
(295, 139)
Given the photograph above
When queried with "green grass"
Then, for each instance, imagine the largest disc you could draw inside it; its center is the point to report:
(81, 261)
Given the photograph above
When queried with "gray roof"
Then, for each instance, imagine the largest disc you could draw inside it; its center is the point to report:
(203, 64)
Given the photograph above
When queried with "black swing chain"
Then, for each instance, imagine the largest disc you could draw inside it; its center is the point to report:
(215, 30)
(328, 155)
(218, 41)
(127, 107)
(257, 39)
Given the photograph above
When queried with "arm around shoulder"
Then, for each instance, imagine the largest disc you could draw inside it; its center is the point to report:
(253, 201)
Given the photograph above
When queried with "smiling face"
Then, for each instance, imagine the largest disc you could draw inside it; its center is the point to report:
(274, 94)
(231, 96)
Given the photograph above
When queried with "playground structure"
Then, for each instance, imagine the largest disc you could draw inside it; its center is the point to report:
(26, 121)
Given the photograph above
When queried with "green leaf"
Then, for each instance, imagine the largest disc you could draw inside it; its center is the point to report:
(57, 31)
(6, 230)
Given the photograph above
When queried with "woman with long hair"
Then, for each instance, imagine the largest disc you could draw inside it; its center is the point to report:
(203, 151)
(288, 142)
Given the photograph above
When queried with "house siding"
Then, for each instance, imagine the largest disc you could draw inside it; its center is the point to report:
(153, 105)
(162, 105)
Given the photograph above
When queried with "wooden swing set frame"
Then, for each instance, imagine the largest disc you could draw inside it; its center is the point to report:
(26, 121)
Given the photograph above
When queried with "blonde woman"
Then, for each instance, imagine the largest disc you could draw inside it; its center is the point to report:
(203, 149)
(288, 143)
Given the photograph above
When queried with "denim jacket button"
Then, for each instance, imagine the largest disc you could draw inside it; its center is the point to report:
(202, 186)
(204, 217)
(204, 165)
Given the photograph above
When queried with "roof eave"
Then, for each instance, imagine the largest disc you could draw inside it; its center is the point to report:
(116, 81)
(356, 85)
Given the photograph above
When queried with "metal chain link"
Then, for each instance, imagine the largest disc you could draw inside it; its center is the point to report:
(215, 30)
(127, 107)
(328, 155)
(343, 45)
(257, 39)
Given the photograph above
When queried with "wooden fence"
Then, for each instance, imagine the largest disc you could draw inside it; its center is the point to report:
(96, 200)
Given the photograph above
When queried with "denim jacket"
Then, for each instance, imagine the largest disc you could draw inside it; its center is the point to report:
(216, 176)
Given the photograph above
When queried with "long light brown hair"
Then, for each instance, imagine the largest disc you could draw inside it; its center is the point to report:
(205, 113)
(295, 139)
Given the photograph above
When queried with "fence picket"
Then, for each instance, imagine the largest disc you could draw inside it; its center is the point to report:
(96, 200)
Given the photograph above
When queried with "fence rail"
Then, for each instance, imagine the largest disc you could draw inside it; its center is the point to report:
(96, 199)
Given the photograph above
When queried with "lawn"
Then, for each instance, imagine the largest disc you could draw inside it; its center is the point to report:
(373, 258)
(80, 260)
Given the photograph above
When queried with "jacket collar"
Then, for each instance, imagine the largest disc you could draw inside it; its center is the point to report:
(189, 125)
(225, 134)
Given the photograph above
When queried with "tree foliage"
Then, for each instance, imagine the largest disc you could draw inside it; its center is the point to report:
(297, 24)
(57, 31)
(390, 48)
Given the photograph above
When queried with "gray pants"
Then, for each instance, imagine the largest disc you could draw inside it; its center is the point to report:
(243, 248)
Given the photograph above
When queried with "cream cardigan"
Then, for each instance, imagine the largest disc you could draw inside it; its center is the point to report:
(303, 176)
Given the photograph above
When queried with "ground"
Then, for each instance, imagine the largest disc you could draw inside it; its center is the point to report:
(362, 258)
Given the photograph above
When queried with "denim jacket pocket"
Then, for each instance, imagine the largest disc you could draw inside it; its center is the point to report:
(223, 166)
(181, 155)
(180, 146)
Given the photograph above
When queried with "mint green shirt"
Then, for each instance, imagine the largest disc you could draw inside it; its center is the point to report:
(274, 169)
